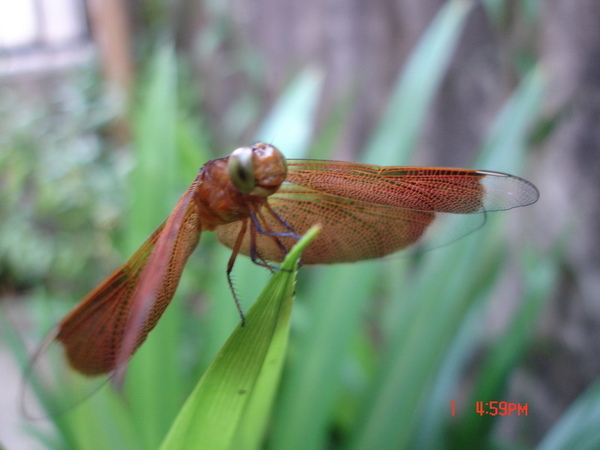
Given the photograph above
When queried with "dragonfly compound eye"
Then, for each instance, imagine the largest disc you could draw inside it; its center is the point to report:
(241, 170)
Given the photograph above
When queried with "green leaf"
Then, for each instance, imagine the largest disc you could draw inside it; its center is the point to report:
(399, 127)
(230, 405)
(505, 145)
(290, 123)
(334, 305)
(578, 427)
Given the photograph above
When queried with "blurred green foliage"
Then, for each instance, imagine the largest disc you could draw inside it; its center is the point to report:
(61, 184)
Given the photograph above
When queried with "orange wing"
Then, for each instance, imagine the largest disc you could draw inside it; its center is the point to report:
(370, 211)
(104, 331)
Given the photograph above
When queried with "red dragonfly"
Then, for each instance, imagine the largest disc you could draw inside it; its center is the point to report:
(259, 204)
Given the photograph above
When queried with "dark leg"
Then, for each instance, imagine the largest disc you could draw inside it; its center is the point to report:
(292, 233)
(234, 253)
(254, 254)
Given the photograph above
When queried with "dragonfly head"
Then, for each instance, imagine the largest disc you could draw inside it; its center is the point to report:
(257, 170)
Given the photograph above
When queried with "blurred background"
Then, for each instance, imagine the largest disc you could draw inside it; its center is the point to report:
(108, 108)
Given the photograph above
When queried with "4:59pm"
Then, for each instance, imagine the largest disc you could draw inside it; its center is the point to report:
(497, 408)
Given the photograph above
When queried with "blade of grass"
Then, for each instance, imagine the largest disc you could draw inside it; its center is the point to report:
(231, 402)
(334, 303)
(399, 127)
(578, 427)
(506, 142)
(289, 125)
(154, 383)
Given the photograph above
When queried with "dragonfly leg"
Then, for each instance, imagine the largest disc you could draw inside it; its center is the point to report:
(255, 256)
(232, 258)
(291, 232)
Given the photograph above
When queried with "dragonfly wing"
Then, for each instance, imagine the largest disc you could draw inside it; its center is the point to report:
(132, 299)
(351, 229)
(103, 332)
(370, 211)
(449, 190)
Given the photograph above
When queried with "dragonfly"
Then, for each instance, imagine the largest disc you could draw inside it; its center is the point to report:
(259, 204)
